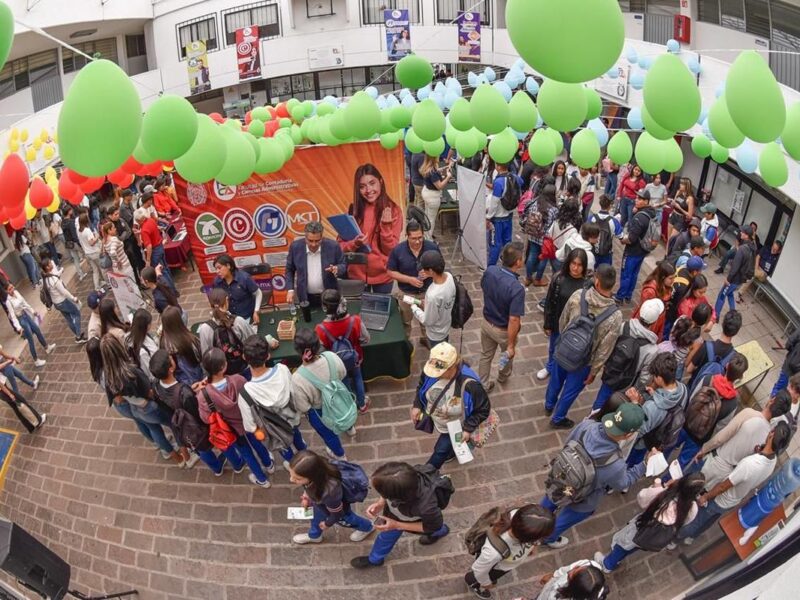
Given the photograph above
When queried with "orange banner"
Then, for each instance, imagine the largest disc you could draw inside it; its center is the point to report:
(255, 222)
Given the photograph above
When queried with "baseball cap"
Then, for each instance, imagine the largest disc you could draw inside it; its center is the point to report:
(93, 300)
(443, 356)
(695, 263)
(629, 417)
(644, 195)
(695, 222)
(148, 188)
(431, 259)
(747, 230)
(651, 310)
(709, 207)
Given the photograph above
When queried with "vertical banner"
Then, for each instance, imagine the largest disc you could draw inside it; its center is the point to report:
(255, 222)
(398, 33)
(197, 66)
(472, 215)
(469, 37)
(247, 53)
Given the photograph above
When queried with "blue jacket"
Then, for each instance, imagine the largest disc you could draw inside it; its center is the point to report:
(297, 271)
(474, 397)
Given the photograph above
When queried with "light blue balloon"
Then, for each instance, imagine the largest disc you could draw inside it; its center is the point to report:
(392, 101)
(519, 64)
(456, 88)
(450, 82)
(612, 73)
(403, 93)
(514, 78)
(694, 65)
(635, 119)
(707, 130)
(521, 135)
(532, 86)
(440, 88)
(481, 80)
(504, 89)
(645, 62)
(331, 100)
(450, 98)
(423, 93)
(703, 115)
(539, 122)
(720, 89)
(600, 130)
(637, 80)
(439, 99)
(631, 56)
(408, 101)
(472, 79)
(381, 102)
(747, 158)
(372, 92)
(673, 46)
(489, 74)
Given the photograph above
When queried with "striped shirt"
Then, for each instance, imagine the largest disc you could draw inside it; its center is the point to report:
(116, 250)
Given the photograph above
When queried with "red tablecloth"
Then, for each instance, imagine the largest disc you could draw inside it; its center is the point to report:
(177, 253)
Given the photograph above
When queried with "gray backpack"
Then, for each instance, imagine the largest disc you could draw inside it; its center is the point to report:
(649, 241)
(573, 471)
(574, 347)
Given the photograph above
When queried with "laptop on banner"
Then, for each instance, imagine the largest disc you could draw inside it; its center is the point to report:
(375, 310)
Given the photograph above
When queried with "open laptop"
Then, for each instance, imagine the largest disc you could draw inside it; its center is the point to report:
(375, 310)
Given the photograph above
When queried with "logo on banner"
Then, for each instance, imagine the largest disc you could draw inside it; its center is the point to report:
(300, 213)
(247, 53)
(238, 225)
(269, 220)
(209, 229)
(196, 194)
(224, 192)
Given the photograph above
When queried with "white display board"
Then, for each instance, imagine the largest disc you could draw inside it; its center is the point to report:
(472, 215)
(785, 278)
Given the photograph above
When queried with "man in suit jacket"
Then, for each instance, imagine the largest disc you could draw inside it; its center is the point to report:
(312, 266)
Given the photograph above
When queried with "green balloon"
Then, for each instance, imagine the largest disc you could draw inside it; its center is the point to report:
(270, 158)
(298, 112)
(460, 116)
(503, 146)
(673, 156)
(754, 98)
(620, 148)
(338, 125)
(772, 165)
(671, 94)
(719, 153)
(305, 126)
(6, 32)
(284, 123)
(141, 155)
(450, 135)
(313, 130)
(562, 105)
(480, 137)
(297, 135)
(556, 139)
(385, 125)
(594, 104)
(653, 128)
(413, 143)
(552, 50)
(791, 131)
(722, 126)
(488, 110)
(434, 148)
(325, 108)
(428, 121)
(240, 158)
(234, 124)
(256, 128)
(413, 72)
(287, 143)
(701, 146)
(649, 153)
(466, 144)
(362, 116)
(400, 117)
(100, 120)
(585, 149)
(254, 143)
(522, 112)
(291, 103)
(205, 157)
(541, 149)
(390, 140)
(261, 113)
(169, 127)
(326, 135)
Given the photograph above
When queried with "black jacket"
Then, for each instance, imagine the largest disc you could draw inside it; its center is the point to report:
(743, 264)
(791, 363)
(423, 504)
(637, 228)
(475, 399)
(561, 288)
(70, 232)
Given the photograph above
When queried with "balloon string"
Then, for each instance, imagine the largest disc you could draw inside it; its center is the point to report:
(54, 39)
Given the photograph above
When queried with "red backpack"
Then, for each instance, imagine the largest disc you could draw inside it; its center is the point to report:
(220, 434)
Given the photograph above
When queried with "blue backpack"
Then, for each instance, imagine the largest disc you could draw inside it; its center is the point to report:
(715, 365)
(355, 483)
(343, 347)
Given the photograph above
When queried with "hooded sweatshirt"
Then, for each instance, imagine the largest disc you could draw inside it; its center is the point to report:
(271, 390)
(656, 408)
(708, 229)
(743, 263)
(637, 228)
(422, 507)
(575, 240)
(225, 400)
(606, 333)
(646, 352)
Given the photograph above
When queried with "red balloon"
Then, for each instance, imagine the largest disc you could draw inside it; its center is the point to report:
(281, 110)
(76, 177)
(119, 177)
(75, 198)
(66, 188)
(41, 195)
(217, 117)
(18, 222)
(14, 178)
(153, 169)
(247, 118)
(270, 127)
(92, 184)
(131, 166)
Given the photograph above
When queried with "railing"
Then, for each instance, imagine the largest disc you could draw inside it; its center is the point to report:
(447, 10)
(786, 67)
(657, 28)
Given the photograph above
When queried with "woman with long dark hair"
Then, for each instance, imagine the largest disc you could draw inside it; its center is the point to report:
(657, 285)
(666, 510)
(323, 491)
(110, 321)
(682, 336)
(225, 329)
(183, 345)
(536, 220)
(140, 343)
(627, 190)
(696, 295)
(559, 173)
(30, 418)
(581, 580)
(23, 247)
(380, 221)
(63, 300)
(683, 206)
(163, 294)
(25, 321)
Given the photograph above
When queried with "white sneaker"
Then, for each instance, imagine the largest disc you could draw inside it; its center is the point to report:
(41, 420)
(193, 458)
(352, 431)
(50, 348)
(672, 546)
(542, 374)
(360, 536)
(285, 465)
(165, 455)
(599, 558)
(559, 543)
(332, 456)
(270, 469)
(304, 538)
(40, 362)
(36, 383)
(263, 484)
(688, 541)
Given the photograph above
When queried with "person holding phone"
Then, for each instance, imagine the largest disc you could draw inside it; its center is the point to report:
(435, 180)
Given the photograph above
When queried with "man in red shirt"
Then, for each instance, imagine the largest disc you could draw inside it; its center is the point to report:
(151, 241)
(165, 204)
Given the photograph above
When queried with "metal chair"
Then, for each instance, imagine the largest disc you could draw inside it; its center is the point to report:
(352, 288)
(267, 296)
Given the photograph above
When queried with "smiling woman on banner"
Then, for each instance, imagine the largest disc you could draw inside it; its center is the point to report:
(380, 221)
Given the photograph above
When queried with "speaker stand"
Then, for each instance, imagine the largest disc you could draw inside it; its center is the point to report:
(82, 596)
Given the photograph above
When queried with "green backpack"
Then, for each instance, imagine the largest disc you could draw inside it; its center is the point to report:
(339, 411)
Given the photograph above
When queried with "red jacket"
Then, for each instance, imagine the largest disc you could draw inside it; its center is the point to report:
(337, 329)
(629, 187)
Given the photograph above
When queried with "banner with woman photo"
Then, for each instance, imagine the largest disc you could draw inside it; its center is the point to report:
(398, 33)
(469, 37)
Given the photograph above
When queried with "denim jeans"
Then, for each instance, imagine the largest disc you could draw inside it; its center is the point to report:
(611, 185)
(348, 519)
(689, 450)
(29, 329)
(728, 256)
(566, 517)
(12, 373)
(550, 365)
(442, 451)
(532, 262)
(781, 384)
(94, 266)
(147, 430)
(31, 268)
(355, 383)
(630, 273)
(636, 456)
(706, 517)
(501, 236)
(603, 394)
(159, 257)
(625, 210)
(155, 419)
(240, 453)
(727, 292)
(386, 540)
(331, 439)
(562, 390)
(298, 442)
(72, 314)
(75, 255)
(616, 556)
(51, 247)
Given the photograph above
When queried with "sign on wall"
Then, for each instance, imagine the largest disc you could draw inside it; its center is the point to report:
(325, 57)
(398, 33)
(469, 37)
(615, 88)
(197, 67)
(247, 53)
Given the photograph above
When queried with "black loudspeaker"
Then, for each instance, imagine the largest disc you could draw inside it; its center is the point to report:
(32, 563)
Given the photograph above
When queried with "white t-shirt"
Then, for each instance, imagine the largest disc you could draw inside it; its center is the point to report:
(437, 316)
(751, 472)
(449, 407)
(86, 237)
(657, 193)
(489, 558)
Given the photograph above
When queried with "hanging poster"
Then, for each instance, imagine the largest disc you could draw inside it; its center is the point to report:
(469, 37)
(398, 33)
(197, 66)
(247, 54)
(325, 57)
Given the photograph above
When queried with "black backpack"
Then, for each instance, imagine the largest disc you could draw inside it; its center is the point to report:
(511, 193)
(665, 435)
(44, 292)
(189, 431)
(462, 305)
(655, 536)
(574, 347)
(622, 367)
(442, 486)
(604, 243)
(225, 339)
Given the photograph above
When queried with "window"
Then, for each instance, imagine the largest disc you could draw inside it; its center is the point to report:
(372, 10)
(203, 29)
(106, 48)
(383, 79)
(663, 7)
(21, 73)
(447, 10)
(302, 87)
(634, 6)
(135, 46)
(708, 11)
(757, 17)
(732, 14)
(786, 23)
(266, 16)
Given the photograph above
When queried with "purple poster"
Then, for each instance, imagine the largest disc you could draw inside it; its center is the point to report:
(469, 37)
